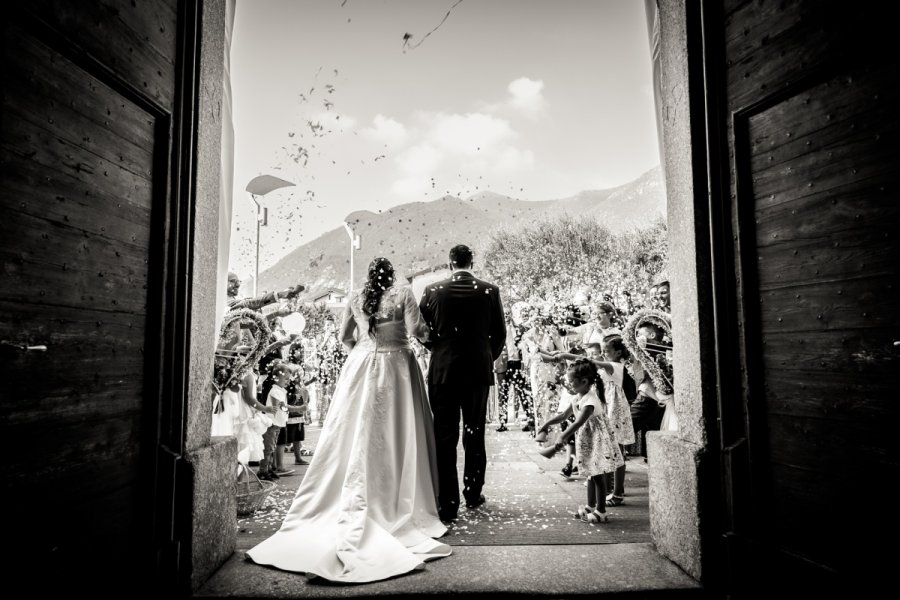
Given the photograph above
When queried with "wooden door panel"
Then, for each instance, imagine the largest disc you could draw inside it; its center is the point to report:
(83, 191)
(813, 141)
(74, 201)
(136, 40)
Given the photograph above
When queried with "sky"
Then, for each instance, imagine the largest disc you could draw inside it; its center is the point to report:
(533, 99)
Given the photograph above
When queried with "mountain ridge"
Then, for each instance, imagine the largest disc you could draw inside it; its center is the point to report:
(417, 235)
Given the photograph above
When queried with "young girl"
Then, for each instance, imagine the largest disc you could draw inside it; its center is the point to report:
(250, 443)
(566, 398)
(598, 452)
(612, 372)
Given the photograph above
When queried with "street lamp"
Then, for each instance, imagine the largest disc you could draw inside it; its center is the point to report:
(354, 244)
(260, 186)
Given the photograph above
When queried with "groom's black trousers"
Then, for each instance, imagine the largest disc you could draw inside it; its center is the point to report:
(447, 400)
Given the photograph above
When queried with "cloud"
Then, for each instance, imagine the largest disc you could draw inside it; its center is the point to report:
(473, 142)
(513, 159)
(410, 186)
(421, 159)
(469, 133)
(386, 130)
(526, 96)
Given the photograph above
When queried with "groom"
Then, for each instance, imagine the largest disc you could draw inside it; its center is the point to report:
(467, 334)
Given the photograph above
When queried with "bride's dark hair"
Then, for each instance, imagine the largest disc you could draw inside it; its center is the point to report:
(380, 278)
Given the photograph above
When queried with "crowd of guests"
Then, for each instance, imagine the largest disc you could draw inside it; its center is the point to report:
(565, 367)
(268, 407)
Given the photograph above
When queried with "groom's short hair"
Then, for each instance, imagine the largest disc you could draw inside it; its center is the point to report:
(461, 256)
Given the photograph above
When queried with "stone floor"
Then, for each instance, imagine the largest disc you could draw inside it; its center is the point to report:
(523, 541)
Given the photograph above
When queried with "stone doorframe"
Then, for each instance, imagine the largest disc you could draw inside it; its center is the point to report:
(682, 511)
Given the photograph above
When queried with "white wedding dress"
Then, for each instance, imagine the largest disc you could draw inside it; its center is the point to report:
(367, 508)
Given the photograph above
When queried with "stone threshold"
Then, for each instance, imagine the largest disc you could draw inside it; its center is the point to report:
(613, 570)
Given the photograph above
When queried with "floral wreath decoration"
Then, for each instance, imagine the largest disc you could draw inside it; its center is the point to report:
(661, 381)
(229, 366)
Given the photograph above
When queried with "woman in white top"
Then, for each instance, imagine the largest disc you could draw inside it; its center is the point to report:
(600, 324)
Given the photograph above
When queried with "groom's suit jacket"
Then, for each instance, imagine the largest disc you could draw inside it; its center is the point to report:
(467, 329)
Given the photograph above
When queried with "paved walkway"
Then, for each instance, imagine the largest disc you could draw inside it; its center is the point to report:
(523, 540)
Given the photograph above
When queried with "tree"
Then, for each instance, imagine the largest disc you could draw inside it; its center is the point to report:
(557, 259)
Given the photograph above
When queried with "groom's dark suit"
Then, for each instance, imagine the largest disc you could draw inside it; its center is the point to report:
(467, 334)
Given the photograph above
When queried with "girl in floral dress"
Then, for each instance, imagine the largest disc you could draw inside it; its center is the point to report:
(597, 449)
(612, 371)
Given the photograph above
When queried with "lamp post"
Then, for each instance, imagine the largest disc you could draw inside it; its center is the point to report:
(260, 186)
(354, 244)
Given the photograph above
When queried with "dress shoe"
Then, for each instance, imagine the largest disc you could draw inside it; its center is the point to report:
(475, 503)
(446, 518)
(300, 461)
(502, 428)
(527, 427)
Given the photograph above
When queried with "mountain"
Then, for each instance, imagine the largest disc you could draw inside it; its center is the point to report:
(418, 235)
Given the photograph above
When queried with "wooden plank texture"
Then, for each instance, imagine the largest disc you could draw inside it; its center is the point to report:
(134, 39)
(865, 302)
(59, 197)
(55, 264)
(53, 89)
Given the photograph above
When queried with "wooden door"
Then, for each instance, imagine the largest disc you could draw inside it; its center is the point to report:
(88, 163)
(808, 111)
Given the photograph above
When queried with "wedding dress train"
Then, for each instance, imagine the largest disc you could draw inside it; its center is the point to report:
(367, 509)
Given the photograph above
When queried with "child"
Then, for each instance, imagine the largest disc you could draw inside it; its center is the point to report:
(618, 409)
(565, 401)
(276, 397)
(566, 398)
(598, 452)
(298, 402)
(250, 446)
(612, 372)
(647, 410)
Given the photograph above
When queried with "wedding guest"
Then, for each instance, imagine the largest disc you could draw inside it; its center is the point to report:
(597, 449)
(541, 342)
(600, 325)
(294, 433)
(514, 379)
(234, 301)
(250, 443)
(566, 397)
(612, 371)
(331, 358)
(661, 299)
(649, 409)
(500, 384)
(611, 364)
(234, 336)
(276, 397)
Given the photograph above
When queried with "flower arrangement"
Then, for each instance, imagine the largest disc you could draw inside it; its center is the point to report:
(229, 366)
(659, 365)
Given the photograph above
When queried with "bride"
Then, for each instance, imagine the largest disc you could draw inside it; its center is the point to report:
(367, 509)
